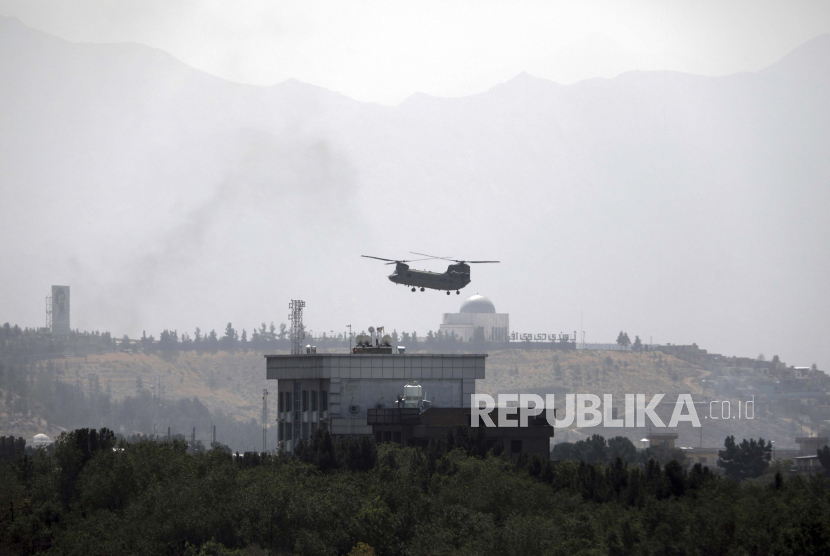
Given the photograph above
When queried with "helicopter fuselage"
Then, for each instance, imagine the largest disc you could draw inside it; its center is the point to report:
(456, 277)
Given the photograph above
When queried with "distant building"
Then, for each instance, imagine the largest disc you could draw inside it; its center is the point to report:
(335, 391)
(809, 445)
(60, 310)
(704, 456)
(807, 465)
(411, 427)
(477, 313)
(41, 440)
(663, 439)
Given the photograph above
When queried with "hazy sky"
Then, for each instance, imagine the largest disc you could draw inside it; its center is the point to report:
(386, 51)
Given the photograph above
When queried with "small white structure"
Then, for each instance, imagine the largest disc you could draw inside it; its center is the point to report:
(41, 440)
(477, 312)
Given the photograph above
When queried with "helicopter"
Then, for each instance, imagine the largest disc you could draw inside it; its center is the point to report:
(456, 276)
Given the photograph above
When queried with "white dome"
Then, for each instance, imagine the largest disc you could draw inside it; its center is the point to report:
(42, 439)
(477, 304)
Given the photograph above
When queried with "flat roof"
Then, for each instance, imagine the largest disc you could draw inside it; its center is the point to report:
(349, 354)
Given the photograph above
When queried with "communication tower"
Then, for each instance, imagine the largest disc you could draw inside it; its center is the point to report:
(49, 312)
(264, 420)
(296, 318)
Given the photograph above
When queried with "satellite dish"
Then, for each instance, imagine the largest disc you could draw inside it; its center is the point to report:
(387, 340)
(371, 329)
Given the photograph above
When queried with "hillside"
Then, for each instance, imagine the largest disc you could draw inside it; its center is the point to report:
(232, 383)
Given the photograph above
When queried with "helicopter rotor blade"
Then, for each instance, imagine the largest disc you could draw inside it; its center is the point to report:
(470, 262)
(432, 256)
(378, 258)
(393, 261)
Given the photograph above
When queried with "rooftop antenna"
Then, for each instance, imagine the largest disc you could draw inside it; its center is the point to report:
(296, 318)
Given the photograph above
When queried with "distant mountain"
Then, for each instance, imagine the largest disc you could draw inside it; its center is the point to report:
(683, 207)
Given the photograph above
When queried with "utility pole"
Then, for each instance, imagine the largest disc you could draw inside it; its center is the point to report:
(264, 420)
(350, 337)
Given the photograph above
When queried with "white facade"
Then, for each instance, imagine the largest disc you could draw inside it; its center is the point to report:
(477, 312)
(333, 391)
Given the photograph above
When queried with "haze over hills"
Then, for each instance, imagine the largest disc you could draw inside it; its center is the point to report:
(687, 208)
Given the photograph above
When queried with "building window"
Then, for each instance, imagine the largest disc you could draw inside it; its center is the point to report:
(314, 400)
(287, 402)
(281, 431)
(305, 400)
(324, 400)
(280, 408)
(305, 431)
(313, 428)
(287, 431)
(515, 446)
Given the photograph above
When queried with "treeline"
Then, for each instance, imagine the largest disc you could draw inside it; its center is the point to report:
(596, 449)
(45, 390)
(96, 495)
(20, 344)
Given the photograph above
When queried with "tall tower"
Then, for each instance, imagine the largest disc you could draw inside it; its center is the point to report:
(60, 310)
(264, 420)
(296, 318)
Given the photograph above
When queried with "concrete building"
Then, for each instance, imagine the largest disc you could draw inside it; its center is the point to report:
(809, 445)
(664, 439)
(411, 427)
(704, 456)
(477, 312)
(60, 310)
(334, 391)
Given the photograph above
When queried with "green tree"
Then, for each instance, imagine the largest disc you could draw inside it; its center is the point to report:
(824, 459)
(622, 339)
(230, 338)
(212, 340)
(478, 334)
(746, 460)
(621, 447)
(638, 344)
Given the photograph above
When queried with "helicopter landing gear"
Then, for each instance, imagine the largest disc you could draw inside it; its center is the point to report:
(457, 292)
(448, 293)
(422, 289)
(413, 289)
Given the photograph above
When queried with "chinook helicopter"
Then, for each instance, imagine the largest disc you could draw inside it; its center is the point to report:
(456, 276)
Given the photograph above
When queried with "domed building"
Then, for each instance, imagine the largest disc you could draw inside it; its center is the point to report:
(477, 320)
(41, 440)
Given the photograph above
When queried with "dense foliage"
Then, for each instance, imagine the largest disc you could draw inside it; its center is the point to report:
(92, 494)
(596, 449)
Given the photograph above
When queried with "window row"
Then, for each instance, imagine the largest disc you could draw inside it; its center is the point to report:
(307, 402)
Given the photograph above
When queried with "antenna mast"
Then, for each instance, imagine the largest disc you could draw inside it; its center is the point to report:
(296, 318)
(49, 312)
(264, 420)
